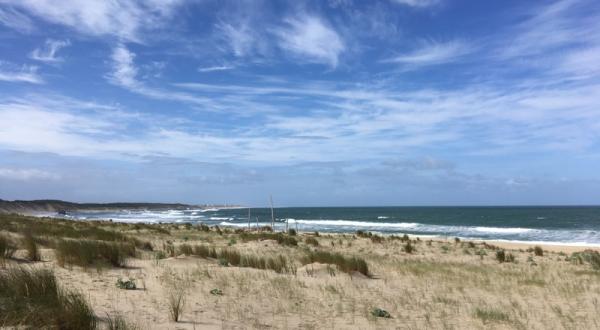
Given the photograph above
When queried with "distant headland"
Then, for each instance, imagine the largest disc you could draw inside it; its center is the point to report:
(50, 205)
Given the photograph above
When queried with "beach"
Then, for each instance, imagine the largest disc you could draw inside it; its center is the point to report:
(301, 284)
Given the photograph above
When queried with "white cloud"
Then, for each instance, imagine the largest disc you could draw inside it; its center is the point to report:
(124, 70)
(216, 68)
(418, 3)
(433, 53)
(584, 62)
(26, 74)
(16, 20)
(120, 18)
(27, 174)
(125, 74)
(47, 53)
(241, 38)
(310, 39)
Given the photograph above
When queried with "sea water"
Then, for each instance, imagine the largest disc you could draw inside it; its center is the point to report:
(573, 225)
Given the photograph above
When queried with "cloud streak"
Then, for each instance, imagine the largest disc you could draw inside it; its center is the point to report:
(309, 38)
(122, 19)
(48, 53)
(433, 53)
(23, 74)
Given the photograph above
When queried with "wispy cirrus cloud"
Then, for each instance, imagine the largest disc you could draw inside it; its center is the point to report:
(48, 53)
(120, 18)
(16, 20)
(310, 39)
(28, 174)
(124, 73)
(417, 3)
(216, 68)
(433, 53)
(22, 74)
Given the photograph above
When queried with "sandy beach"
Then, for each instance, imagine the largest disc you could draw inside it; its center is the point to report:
(439, 284)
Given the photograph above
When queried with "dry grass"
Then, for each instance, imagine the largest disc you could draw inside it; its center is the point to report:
(440, 285)
(32, 298)
(87, 253)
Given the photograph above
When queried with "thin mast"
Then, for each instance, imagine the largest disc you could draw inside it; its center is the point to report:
(272, 213)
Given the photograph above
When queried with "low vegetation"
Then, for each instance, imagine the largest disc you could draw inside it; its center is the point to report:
(343, 263)
(87, 253)
(281, 238)
(32, 298)
(590, 257)
(31, 247)
(441, 284)
(311, 241)
(502, 256)
(7, 248)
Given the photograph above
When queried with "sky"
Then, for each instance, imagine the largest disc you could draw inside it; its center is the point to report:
(340, 102)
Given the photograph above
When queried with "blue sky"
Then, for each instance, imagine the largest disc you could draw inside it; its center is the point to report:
(391, 102)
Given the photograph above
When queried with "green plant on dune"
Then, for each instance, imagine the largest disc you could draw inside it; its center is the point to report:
(118, 322)
(345, 264)
(311, 241)
(378, 312)
(7, 248)
(86, 253)
(126, 284)
(408, 248)
(30, 245)
(588, 256)
(32, 298)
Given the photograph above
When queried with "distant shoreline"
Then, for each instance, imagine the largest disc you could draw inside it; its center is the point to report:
(37, 206)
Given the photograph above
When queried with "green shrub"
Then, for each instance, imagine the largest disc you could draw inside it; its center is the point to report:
(487, 315)
(279, 237)
(186, 249)
(30, 246)
(376, 239)
(7, 247)
(118, 322)
(311, 241)
(378, 312)
(292, 232)
(538, 251)
(169, 248)
(409, 248)
(588, 256)
(201, 251)
(33, 299)
(86, 253)
(216, 292)
(158, 255)
(502, 256)
(126, 285)
(345, 264)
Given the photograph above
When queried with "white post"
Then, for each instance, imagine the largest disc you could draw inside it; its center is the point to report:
(272, 214)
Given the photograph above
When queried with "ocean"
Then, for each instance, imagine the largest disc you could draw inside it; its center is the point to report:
(573, 225)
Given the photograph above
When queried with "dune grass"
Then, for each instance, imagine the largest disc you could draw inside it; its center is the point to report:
(31, 247)
(311, 241)
(345, 264)
(87, 253)
(281, 238)
(7, 248)
(32, 298)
